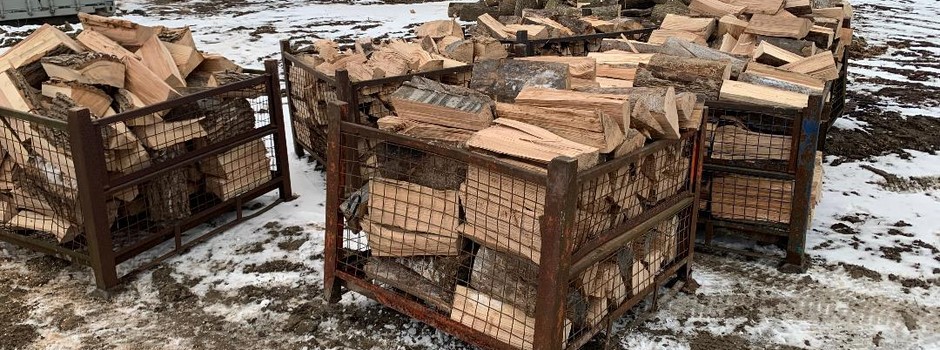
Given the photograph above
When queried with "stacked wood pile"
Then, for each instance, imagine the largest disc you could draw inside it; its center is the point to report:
(467, 11)
(115, 66)
(525, 113)
(543, 24)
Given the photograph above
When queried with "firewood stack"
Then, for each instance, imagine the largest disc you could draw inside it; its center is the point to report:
(544, 24)
(523, 112)
(115, 66)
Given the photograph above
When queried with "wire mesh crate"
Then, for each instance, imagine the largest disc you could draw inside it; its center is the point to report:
(122, 192)
(309, 92)
(761, 170)
(505, 255)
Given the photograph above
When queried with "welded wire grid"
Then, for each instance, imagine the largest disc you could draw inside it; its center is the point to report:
(607, 289)
(750, 138)
(465, 239)
(141, 213)
(309, 97)
(38, 187)
(749, 199)
(625, 193)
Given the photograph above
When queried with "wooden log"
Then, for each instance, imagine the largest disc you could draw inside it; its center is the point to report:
(531, 143)
(578, 67)
(147, 86)
(800, 47)
(798, 7)
(556, 29)
(494, 318)
(694, 75)
(97, 42)
(767, 7)
(745, 46)
(821, 36)
(432, 133)
(390, 241)
(504, 79)
(431, 102)
(741, 197)
(613, 83)
(611, 106)
(729, 24)
(728, 42)
(84, 95)
(45, 41)
(614, 25)
(732, 142)
(772, 55)
(127, 101)
(661, 109)
(126, 33)
(760, 74)
(165, 135)
(439, 29)
(678, 47)
(459, 49)
(488, 49)
(402, 278)
(534, 31)
(588, 127)
(168, 195)
(414, 208)
(616, 57)
(179, 36)
(217, 63)
(226, 164)
(86, 68)
(495, 28)
(61, 229)
(505, 277)
(736, 91)
(186, 58)
(781, 26)
(659, 36)
(714, 8)
(703, 27)
(155, 56)
(821, 66)
(630, 46)
(616, 71)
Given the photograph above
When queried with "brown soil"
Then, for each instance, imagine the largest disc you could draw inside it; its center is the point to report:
(15, 334)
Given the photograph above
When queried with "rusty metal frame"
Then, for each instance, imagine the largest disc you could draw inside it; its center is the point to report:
(94, 185)
(558, 261)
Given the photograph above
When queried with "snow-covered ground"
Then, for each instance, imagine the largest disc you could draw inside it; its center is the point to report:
(875, 280)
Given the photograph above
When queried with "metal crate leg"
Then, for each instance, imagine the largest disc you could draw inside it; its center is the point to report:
(803, 187)
(332, 286)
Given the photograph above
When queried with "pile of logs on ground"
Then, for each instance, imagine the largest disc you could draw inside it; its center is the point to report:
(115, 66)
(525, 112)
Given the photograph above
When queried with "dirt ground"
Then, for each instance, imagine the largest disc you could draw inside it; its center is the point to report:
(260, 286)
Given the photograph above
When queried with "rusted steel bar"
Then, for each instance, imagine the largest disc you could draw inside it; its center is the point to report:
(803, 188)
(88, 156)
(695, 183)
(595, 172)
(280, 135)
(334, 189)
(32, 118)
(557, 230)
(44, 247)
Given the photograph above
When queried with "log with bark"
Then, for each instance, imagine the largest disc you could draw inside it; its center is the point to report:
(428, 101)
(504, 79)
(700, 76)
(86, 68)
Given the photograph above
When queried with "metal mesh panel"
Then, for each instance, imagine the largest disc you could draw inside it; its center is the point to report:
(462, 235)
(38, 185)
(607, 289)
(178, 189)
(750, 138)
(309, 96)
(752, 199)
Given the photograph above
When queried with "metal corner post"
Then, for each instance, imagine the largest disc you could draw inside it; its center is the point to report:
(88, 155)
(285, 48)
(557, 225)
(803, 186)
(280, 136)
(334, 189)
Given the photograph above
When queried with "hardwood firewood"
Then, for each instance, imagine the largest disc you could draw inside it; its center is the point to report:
(45, 41)
(492, 317)
(217, 63)
(97, 42)
(86, 68)
(782, 26)
(821, 66)
(431, 102)
(760, 74)
(659, 36)
(578, 67)
(495, 28)
(681, 48)
(186, 58)
(614, 107)
(746, 45)
(714, 8)
(457, 48)
(226, 164)
(126, 101)
(703, 27)
(730, 24)
(390, 241)
(61, 229)
(800, 47)
(588, 127)
(772, 55)
(155, 56)
(728, 42)
(84, 95)
(798, 7)
(143, 83)
(168, 134)
(630, 46)
(614, 25)
(398, 276)
(390, 63)
(485, 48)
(179, 36)
(736, 91)
(126, 33)
(415, 208)
(613, 83)
(616, 57)
(531, 143)
(659, 112)
(616, 71)
(432, 133)
(821, 36)
(503, 79)
(439, 29)
(700, 76)
(767, 7)
(534, 31)
(732, 142)
(556, 28)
